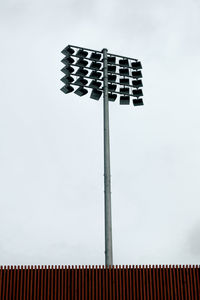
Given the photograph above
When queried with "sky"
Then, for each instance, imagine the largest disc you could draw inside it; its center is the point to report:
(51, 144)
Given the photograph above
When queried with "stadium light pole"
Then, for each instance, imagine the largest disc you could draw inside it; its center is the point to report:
(101, 66)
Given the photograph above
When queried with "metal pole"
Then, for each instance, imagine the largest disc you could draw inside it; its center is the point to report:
(107, 179)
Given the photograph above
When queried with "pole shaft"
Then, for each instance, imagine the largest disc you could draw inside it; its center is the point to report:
(107, 177)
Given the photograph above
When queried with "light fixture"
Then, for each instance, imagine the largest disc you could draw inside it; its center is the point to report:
(124, 81)
(112, 87)
(95, 56)
(112, 97)
(124, 91)
(95, 84)
(124, 72)
(137, 93)
(123, 63)
(138, 102)
(67, 79)
(137, 83)
(95, 65)
(110, 75)
(124, 100)
(81, 53)
(136, 65)
(81, 63)
(81, 81)
(137, 74)
(67, 89)
(96, 94)
(81, 72)
(81, 91)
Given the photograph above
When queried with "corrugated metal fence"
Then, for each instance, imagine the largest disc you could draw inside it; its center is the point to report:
(99, 283)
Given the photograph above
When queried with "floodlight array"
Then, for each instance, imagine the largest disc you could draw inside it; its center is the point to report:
(83, 69)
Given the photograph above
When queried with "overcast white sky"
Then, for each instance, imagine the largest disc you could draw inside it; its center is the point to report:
(51, 144)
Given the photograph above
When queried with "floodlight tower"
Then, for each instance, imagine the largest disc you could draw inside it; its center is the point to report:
(109, 74)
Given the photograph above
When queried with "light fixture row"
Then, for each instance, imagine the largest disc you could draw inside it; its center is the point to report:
(96, 95)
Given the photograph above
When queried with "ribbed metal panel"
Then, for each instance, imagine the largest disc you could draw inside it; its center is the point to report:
(99, 283)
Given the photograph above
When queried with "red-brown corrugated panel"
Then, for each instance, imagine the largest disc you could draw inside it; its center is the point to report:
(99, 283)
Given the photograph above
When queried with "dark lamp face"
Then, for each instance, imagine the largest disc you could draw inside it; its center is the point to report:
(81, 53)
(137, 93)
(95, 75)
(112, 69)
(95, 56)
(124, 81)
(112, 78)
(68, 51)
(67, 79)
(124, 90)
(124, 72)
(67, 70)
(95, 65)
(138, 102)
(81, 91)
(67, 89)
(124, 100)
(123, 62)
(112, 87)
(112, 97)
(81, 63)
(81, 81)
(137, 83)
(111, 59)
(95, 84)
(81, 72)
(95, 94)
(137, 74)
(136, 65)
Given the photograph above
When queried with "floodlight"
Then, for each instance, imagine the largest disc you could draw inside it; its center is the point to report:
(123, 63)
(112, 77)
(137, 83)
(67, 70)
(95, 65)
(68, 51)
(136, 65)
(96, 94)
(95, 84)
(137, 93)
(81, 91)
(67, 89)
(67, 60)
(81, 81)
(82, 72)
(81, 63)
(112, 87)
(111, 59)
(81, 53)
(124, 100)
(138, 102)
(111, 69)
(95, 75)
(137, 74)
(124, 81)
(95, 56)
(124, 91)
(112, 97)
(124, 72)
(67, 79)
(109, 75)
